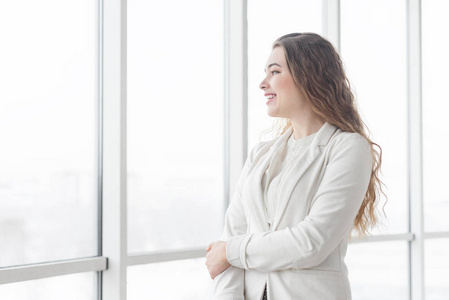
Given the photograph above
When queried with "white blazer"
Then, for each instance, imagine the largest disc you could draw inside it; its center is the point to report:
(302, 255)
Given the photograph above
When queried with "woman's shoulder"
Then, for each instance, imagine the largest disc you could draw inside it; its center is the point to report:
(349, 143)
(353, 138)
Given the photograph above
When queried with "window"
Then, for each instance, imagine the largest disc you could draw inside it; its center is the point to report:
(156, 280)
(48, 120)
(373, 48)
(124, 127)
(435, 45)
(49, 154)
(175, 124)
(435, 104)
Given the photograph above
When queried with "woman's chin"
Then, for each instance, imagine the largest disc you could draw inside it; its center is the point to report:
(272, 113)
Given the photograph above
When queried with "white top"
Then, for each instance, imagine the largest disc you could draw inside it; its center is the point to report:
(280, 165)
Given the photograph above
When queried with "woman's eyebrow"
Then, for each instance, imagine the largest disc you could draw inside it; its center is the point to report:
(273, 64)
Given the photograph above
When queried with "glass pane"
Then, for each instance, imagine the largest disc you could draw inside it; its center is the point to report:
(175, 124)
(437, 266)
(183, 279)
(378, 270)
(267, 21)
(435, 107)
(69, 287)
(48, 129)
(373, 42)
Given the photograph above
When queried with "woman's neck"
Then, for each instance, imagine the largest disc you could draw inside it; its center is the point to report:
(306, 126)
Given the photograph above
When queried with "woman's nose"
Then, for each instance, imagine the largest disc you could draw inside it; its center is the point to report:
(263, 85)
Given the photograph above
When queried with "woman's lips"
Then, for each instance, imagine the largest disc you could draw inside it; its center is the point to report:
(271, 99)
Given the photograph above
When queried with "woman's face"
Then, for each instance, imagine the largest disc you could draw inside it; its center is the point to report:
(284, 99)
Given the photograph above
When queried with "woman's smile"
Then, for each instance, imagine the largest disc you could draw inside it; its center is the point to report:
(270, 97)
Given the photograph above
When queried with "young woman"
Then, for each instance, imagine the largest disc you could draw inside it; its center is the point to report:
(300, 195)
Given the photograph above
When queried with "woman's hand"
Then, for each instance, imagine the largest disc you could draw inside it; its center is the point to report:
(216, 261)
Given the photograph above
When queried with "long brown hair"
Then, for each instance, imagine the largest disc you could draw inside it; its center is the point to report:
(318, 71)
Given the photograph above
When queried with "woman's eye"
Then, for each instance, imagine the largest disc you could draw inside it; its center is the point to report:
(274, 72)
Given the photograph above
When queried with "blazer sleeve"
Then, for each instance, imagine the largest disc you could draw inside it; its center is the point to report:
(333, 209)
(229, 285)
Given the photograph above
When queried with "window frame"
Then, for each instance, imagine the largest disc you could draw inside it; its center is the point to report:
(113, 259)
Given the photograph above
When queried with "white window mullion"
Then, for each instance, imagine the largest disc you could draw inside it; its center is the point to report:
(415, 182)
(165, 256)
(384, 238)
(51, 269)
(236, 92)
(331, 22)
(114, 149)
(436, 235)
(99, 112)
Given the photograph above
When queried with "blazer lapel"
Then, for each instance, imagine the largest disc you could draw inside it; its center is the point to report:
(256, 172)
(321, 138)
